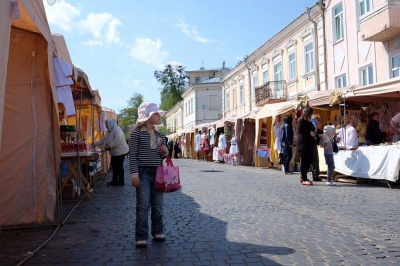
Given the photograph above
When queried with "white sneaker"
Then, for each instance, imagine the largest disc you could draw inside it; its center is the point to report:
(141, 243)
(331, 183)
(159, 237)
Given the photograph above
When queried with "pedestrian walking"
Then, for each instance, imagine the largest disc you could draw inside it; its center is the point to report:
(306, 132)
(147, 149)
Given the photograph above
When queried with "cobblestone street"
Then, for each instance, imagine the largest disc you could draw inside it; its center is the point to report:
(225, 215)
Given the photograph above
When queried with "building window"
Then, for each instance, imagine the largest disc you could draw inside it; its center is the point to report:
(227, 100)
(395, 66)
(365, 6)
(191, 105)
(277, 91)
(367, 75)
(339, 28)
(197, 80)
(292, 66)
(255, 82)
(186, 108)
(265, 76)
(241, 98)
(234, 97)
(309, 52)
(341, 81)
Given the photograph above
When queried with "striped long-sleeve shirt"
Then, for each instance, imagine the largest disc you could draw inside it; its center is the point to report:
(140, 153)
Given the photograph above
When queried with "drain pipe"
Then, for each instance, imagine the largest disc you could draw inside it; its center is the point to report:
(321, 4)
(316, 56)
(249, 77)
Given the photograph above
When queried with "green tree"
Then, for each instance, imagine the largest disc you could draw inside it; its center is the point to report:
(173, 80)
(129, 115)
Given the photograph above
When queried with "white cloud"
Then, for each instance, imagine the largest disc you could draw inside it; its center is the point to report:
(62, 15)
(102, 27)
(191, 31)
(149, 52)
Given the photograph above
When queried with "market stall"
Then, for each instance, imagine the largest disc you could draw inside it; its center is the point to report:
(79, 109)
(29, 132)
(265, 119)
(77, 143)
(372, 162)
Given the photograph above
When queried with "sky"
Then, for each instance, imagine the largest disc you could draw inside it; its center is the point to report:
(119, 44)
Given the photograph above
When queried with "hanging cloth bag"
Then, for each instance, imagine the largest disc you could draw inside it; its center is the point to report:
(167, 177)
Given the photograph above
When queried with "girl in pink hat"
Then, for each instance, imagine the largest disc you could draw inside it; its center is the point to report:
(147, 149)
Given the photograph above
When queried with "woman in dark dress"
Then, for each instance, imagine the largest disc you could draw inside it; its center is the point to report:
(306, 132)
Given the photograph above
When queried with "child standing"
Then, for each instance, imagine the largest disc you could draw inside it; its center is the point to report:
(326, 142)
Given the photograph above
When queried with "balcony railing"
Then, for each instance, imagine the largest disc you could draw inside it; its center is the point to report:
(271, 90)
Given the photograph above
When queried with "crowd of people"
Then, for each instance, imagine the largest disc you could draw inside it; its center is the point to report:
(347, 136)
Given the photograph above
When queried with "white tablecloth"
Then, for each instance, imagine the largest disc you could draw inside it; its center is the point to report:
(374, 162)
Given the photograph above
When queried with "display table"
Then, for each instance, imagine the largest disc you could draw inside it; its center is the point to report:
(72, 160)
(373, 162)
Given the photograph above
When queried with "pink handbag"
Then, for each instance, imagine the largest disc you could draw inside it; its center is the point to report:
(167, 177)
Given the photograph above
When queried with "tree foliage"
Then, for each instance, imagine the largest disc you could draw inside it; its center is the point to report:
(129, 115)
(173, 80)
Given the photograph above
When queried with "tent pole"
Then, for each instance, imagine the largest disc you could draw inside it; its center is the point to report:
(345, 128)
(79, 137)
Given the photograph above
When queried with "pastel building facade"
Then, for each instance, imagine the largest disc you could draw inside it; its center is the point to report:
(202, 101)
(288, 65)
(362, 42)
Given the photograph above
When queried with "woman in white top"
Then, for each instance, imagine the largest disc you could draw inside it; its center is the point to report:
(114, 141)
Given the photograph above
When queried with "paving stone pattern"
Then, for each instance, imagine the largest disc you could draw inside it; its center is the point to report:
(227, 215)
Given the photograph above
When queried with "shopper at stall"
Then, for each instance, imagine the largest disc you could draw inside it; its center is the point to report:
(205, 146)
(287, 142)
(177, 149)
(394, 124)
(326, 142)
(278, 126)
(170, 146)
(197, 144)
(147, 149)
(114, 142)
(306, 132)
(374, 135)
(316, 120)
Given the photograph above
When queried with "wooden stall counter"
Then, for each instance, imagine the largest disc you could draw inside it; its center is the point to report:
(74, 160)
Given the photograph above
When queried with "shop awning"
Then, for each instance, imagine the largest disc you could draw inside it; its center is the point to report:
(275, 109)
(382, 91)
(323, 98)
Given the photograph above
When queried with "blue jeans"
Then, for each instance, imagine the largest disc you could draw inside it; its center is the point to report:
(146, 197)
(331, 166)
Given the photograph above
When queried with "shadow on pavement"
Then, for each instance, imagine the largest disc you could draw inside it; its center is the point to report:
(101, 231)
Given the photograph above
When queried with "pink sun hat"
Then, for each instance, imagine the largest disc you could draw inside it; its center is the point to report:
(146, 109)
